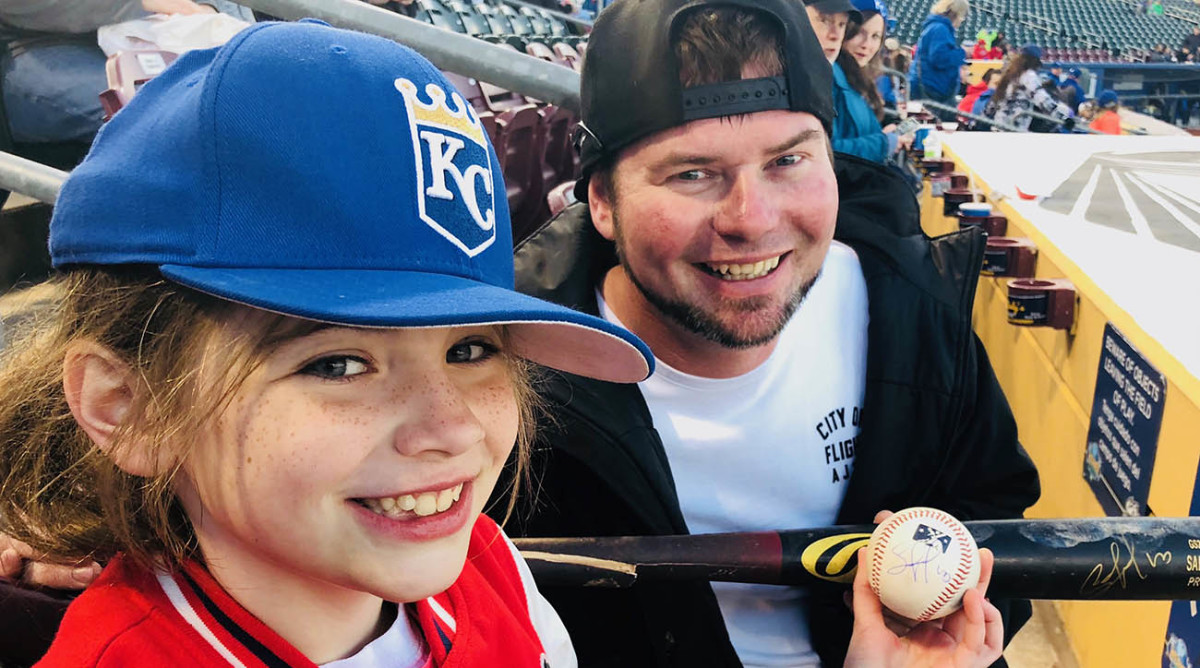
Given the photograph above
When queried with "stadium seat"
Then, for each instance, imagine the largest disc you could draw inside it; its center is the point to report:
(560, 197)
(540, 50)
(558, 155)
(127, 72)
(519, 129)
(569, 54)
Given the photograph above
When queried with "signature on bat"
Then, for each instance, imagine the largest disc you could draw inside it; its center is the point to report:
(1123, 567)
(923, 561)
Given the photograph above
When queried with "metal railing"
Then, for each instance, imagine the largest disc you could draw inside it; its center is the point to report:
(451, 51)
(30, 178)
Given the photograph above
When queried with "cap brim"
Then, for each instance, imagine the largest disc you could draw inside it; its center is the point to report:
(544, 333)
(835, 7)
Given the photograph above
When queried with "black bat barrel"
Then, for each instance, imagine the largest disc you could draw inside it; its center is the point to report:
(1106, 558)
(1116, 558)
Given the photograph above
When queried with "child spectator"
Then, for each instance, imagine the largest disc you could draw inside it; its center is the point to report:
(287, 371)
(1108, 117)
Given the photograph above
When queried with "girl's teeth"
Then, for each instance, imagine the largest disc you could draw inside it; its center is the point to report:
(421, 505)
(444, 500)
(426, 505)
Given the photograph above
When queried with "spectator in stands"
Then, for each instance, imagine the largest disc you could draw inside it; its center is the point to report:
(1192, 41)
(865, 42)
(986, 82)
(1108, 117)
(985, 97)
(52, 68)
(999, 46)
(1020, 91)
(988, 46)
(892, 87)
(934, 74)
(706, 229)
(856, 99)
(1155, 8)
(829, 19)
(1071, 91)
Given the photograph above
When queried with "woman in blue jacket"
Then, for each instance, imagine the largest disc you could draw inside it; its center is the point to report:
(934, 74)
(856, 127)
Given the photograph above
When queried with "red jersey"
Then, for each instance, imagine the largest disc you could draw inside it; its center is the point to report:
(491, 616)
(1108, 122)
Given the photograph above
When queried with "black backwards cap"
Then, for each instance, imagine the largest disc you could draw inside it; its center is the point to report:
(630, 86)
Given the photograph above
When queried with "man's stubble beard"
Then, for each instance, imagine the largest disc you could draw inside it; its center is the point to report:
(696, 320)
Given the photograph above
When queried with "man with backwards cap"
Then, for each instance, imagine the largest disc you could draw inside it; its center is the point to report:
(808, 375)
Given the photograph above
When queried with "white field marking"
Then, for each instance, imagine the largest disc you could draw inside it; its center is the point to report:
(1173, 193)
(1085, 196)
(1140, 224)
(1152, 193)
(1166, 166)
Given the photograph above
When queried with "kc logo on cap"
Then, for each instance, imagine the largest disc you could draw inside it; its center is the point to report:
(455, 192)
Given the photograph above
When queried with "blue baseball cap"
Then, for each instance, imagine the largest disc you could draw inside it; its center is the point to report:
(1106, 98)
(878, 7)
(1032, 50)
(324, 174)
(1075, 72)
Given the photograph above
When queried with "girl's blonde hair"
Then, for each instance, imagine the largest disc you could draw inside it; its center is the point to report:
(58, 491)
(955, 10)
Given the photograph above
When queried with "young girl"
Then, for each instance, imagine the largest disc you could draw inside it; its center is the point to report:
(286, 371)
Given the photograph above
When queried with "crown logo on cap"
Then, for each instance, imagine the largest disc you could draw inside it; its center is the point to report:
(438, 113)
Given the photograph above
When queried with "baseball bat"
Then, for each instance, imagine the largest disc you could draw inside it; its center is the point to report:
(1062, 559)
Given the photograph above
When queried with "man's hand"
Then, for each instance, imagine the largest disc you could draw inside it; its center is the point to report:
(971, 637)
(18, 562)
(176, 7)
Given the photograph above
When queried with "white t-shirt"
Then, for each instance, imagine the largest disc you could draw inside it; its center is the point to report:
(771, 449)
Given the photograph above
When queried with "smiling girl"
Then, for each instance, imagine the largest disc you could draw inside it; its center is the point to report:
(286, 371)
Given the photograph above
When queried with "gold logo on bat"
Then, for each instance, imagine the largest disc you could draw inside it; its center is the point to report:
(832, 558)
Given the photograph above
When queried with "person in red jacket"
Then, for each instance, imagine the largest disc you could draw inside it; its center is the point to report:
(976, 89)
(287, 370)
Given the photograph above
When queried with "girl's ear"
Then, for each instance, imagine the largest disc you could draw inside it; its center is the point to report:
(100, 389)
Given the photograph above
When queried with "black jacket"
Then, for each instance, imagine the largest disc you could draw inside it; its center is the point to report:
(936, 428)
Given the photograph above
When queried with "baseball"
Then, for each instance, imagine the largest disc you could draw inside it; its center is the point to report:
(922, 560)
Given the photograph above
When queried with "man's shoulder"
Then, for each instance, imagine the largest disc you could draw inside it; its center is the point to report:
(562, 260)
(879, 219)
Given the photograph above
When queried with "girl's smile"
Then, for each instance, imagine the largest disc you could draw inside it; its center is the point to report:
(349, 468)
(416, 517)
